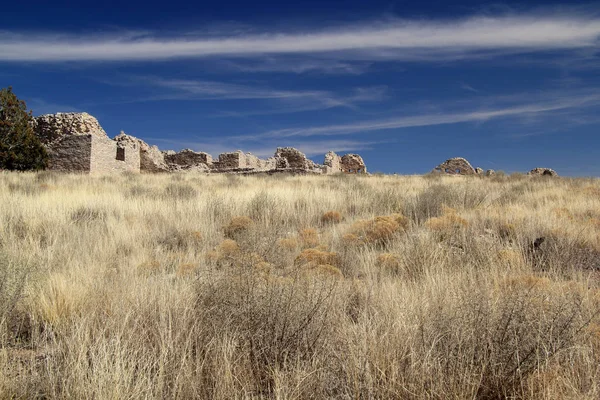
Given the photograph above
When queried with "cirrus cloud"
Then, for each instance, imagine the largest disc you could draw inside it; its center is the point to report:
(400, 40)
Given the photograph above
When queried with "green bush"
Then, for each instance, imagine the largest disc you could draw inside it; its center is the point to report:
(20, 149)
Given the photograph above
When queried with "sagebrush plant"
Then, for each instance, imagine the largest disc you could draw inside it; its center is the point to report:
(387, 287)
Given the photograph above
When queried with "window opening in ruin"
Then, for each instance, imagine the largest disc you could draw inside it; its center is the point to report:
(120, 154)
(447, 170)
(458, 171)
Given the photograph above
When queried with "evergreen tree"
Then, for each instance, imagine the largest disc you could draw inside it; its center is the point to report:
(20, 148)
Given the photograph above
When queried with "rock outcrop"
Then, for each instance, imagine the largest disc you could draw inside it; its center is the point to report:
(455, 166)
(479, 171)
(52, 127)
(542, 172)
(490, 172)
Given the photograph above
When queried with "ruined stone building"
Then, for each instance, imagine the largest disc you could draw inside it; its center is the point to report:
(542, 172)
(349, 164)
(460, 166)
(77, 143)
(455, 166)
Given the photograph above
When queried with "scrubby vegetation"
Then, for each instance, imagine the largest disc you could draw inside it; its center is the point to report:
(191, 286)
(20, 148)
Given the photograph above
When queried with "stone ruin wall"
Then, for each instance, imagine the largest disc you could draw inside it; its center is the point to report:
(52, 127)
(110, 156)
(455, 166)
(188, 159)
(332, 163)
(460, 166)
(77, 143)
(353, 164)
(230, 161)
(71, 154)
(542, 172)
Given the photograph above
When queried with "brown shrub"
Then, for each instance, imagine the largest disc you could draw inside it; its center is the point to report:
(176, 240)
(289, 244)
(389, 262)
(309, 237)
(228, 248)
(317, 256)
(322, 271)
(447, 223)
(236, 226)
(149, 267)
(186, 269)
(378, 230)
(331, 217)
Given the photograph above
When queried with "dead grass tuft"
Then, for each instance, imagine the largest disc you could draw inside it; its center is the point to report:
(288, 244)
(389, 262)
(379, 230)
(237, 226)
(331, 217)
(317, 256)
(308, 237)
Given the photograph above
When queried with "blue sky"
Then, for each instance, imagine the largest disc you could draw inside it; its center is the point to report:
(509, 86)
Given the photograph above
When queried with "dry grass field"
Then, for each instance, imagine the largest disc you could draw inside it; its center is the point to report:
(298, 287)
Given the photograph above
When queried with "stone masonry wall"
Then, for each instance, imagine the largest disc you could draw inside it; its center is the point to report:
(187, 159)
(229, 161)
(71, 154)
(353, 164)
(52, 127)
(104, 156)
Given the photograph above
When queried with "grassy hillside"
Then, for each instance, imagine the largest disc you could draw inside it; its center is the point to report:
(191, 286)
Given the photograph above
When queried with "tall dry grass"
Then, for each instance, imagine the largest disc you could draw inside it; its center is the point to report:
(192, 286)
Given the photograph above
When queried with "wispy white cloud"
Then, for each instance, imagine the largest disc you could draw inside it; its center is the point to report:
(467, 87)
(401, 39)
(280, 101)
(298, 66)
(577, 101)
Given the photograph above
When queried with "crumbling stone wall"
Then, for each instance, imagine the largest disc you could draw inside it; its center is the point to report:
(230, 161)
(52, 127)
(332, 163)
(455, 166)
(189, 159)
(353, 164)
(77, 143)
(152, 160)
(109, 156)
(70, 154)
(542, 172)
(254, 162)
(295, 158)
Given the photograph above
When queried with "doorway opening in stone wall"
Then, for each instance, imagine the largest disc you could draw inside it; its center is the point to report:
(120, 154)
